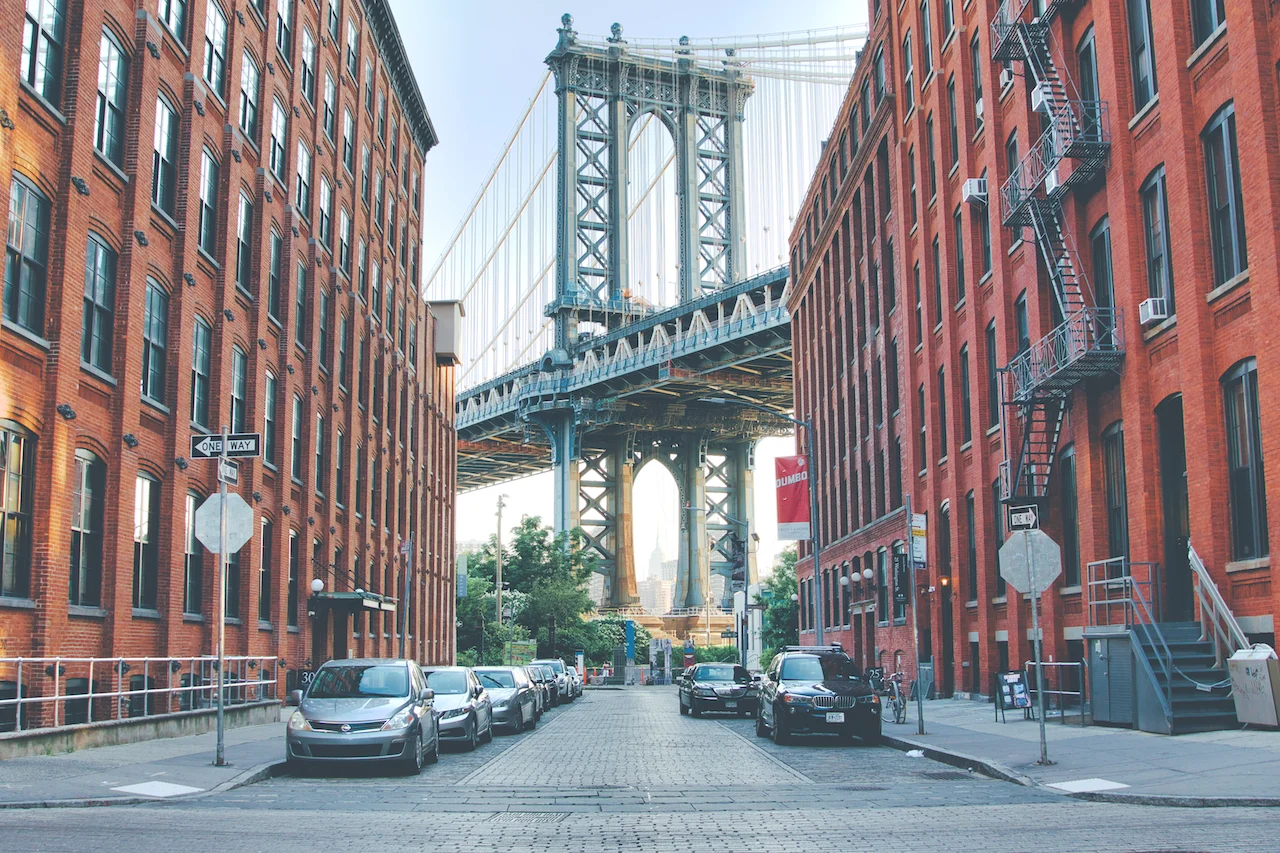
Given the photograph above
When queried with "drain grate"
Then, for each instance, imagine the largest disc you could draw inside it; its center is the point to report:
(528, 817)
(945, 775)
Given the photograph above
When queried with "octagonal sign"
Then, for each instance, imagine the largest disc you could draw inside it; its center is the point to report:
(239, 522)
(1030, 561)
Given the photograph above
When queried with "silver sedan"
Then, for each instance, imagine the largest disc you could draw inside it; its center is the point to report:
(512, 695)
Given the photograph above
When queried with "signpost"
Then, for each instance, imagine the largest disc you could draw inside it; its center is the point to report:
(917, 548)
(1030, 562)
(406, 550)
(224, 523)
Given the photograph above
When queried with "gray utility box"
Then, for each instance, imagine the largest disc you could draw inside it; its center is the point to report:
(1120, 692)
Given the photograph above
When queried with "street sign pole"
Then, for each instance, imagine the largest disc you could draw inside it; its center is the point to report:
(1035, 634)
(406, 548)
(220, 758)
(915, 618)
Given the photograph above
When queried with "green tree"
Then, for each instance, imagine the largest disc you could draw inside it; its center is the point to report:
(781, 614)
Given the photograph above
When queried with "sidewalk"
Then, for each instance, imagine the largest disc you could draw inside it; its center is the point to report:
(141, 772)
(1100, 762)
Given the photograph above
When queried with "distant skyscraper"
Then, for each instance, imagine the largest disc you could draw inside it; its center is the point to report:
(656, 560)
(656, 594)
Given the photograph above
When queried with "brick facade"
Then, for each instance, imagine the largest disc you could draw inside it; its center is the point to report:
(1174, 374)
(59, 406)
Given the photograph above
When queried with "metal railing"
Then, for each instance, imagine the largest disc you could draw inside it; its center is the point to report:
(1006, 17)
(52, 692)
(1218, 624)
(1089, 331)
(1076, 129)
(1112, 584)
(1059, 676)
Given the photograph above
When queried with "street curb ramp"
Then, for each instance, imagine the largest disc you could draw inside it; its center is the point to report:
(255, 774)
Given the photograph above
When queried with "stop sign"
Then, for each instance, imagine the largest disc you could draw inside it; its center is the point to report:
(239, 522)
(1030, 561)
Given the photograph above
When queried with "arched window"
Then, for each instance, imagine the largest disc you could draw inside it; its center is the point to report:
(1246, 479)
(17, 483)
(1115, 490)
(1226, 199)
(87, 489)
(146, 540)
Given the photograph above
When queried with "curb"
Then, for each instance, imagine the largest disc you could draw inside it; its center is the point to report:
(253, 775)
(1007, 774)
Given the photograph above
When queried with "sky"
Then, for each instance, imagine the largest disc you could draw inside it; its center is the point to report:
(477, 64)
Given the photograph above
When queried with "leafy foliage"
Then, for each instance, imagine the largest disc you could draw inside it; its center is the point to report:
(781, 614)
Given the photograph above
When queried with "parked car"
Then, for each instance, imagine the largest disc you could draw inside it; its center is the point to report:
(462, 705)
(544, 676)
(539, 691)
(564, 691)
(371, 709)
(717, 687)
(816, 689)
(575, 680)
(512, 695)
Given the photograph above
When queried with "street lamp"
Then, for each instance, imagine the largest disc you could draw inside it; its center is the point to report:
(813, 490)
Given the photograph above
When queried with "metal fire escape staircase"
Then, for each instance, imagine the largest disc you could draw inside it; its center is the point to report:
(1087, 340)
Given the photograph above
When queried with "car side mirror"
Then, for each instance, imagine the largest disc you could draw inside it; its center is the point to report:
(426, 695)
(295, 697)
(757, 678)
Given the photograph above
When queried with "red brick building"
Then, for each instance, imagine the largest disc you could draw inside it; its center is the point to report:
(1163, 280)
(214, 220)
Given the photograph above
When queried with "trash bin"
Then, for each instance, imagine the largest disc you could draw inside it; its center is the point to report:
(1255, 684)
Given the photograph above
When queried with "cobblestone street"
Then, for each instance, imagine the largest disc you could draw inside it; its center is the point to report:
(622, 770)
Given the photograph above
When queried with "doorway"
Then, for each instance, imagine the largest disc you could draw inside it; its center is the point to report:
(948, 645)
(1177, 523)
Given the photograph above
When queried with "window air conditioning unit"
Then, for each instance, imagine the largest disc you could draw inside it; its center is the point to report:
(978, 109)
(1051, 182)
(1153, 309)
(975, 191)
(1006, 77)
(1040, 99)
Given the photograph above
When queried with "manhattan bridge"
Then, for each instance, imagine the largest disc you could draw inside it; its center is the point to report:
(623, 261)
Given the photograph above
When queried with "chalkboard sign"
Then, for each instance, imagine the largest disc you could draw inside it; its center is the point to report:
(1011, 692)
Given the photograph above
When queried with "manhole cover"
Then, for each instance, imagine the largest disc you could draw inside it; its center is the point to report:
(528, 817)
(945, 775)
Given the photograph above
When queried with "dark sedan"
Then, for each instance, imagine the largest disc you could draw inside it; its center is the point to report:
(816, 690)
(717, 687)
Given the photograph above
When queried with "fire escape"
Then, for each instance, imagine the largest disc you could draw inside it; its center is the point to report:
(1087, 340)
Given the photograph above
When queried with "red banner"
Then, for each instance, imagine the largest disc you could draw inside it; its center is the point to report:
(792, 483)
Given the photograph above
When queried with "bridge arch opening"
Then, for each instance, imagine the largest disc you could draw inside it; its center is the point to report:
(656, 545)
(653, 250)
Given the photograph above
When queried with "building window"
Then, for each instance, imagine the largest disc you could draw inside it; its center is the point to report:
(1226, 201)
(395, 145)
(937, 283)
(308, 66)
(375, 287)
(146, 541)
(231, 588)
(933, 160)
(911, 172)
(948, 18)
(344, 241)
(295, 448)
(326, 213)
(892, 364)
(99, 304)
(279, 134)
(348, 141)
(1070, 518)
(208, 227)
(878, 70)
(244, 245)
(321, 466)
(1022, 323)
(362, 270)
(1142, 58)
(173, 14)
(303, 196)
(340, 469)
(942, 413)
(997, 532)
(269, 419)
(915, 272)
(155, 335)
(1206, 17)
(993, 377)
(953, 121)
(984, 234)
(1115, 490)
(17, 453)
(364, 173)
(295, 557)
(378, 197)
(164, 158)
(26, 256)
(1155, 220)
(971, 536)
(360, 480)
(1249, 538)
(249, 98)
(966, 416)
(329, 116)
(882, 588)
(382, 116)
(368, 85)
(113, 95)
(239, 379)
(284, 28)
(335, 16)
(264, 571)
(344, 356)
(922, 439)
(200, 346)
(43, 36)
(1087, 63)
(193, 561)
(275, 274)
(353, 49)
(87, 491)
(300, 330)
(322, 308)
(1100, 249)
(362, 375)
(957, 225)
(215, 49)
(926, 43)
(975, 68)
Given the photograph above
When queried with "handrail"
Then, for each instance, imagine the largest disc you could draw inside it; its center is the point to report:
(1074, 122)
(1217, 623)
(1117, 586)
(1089, 330)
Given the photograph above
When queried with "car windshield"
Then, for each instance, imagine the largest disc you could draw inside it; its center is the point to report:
(447, 681)
(556, 666)
(497, 678)
(360, 681)
(820, 668)
(736, 674)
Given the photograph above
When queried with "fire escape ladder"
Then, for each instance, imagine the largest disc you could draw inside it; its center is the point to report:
(1070, 288)
(1038, 450)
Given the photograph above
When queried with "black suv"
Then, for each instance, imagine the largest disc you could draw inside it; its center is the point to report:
(717, 687)
(816, 690)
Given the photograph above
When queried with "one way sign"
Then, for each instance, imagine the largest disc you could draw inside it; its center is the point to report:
(239, 445)
(1023, 518)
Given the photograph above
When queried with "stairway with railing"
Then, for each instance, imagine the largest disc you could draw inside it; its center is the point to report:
(1072, 151)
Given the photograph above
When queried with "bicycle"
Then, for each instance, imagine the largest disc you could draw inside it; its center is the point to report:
(897, 697)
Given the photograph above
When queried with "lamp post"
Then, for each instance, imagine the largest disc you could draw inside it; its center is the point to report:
(815, 545)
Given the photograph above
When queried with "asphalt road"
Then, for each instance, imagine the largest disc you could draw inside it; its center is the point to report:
(621, 770)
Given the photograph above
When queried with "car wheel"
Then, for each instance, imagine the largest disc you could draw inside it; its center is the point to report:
(488, 732)
(434, 755)
(295, 767)
(871, 738)
(761, 730)
(781, 736)
(684, 709)
(694, 709)
(474, 738)
(533, 721)
(413, 755)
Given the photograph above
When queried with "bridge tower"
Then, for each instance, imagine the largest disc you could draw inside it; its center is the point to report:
(601, 92)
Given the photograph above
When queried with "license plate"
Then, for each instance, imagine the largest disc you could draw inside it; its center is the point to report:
(835, 716)
(731, 704)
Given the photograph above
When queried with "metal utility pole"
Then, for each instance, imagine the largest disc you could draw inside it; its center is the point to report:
(1035, 644)
(497, 581)
(406, 548)
(915, 617)
(220, 758)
